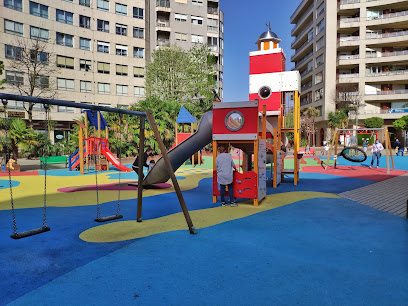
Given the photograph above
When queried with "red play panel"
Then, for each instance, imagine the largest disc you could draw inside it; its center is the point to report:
(365, 173)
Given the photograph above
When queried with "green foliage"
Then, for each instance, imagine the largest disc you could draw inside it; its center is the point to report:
(304, 142)
(373, 123)
(183, 76)
(2, 81)
(401, 124)
(339, 118)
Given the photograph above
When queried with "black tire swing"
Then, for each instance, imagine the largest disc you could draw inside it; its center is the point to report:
(354, 154)
(44, 227)
(117, 215)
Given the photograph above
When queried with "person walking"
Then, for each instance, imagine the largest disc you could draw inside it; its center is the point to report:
(398, 148)
(224, 165)
(365, 145)
(135, 165)
(376, 151)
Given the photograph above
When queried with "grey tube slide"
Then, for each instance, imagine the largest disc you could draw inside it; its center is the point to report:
(179, 154)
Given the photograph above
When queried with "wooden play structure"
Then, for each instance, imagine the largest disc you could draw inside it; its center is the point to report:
(93, 151)
(373, 131)
(258, 126)
(185, 118)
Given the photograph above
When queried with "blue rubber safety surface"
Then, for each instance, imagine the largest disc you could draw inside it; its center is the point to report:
(320, 251)
(312, 252)
(4, 183)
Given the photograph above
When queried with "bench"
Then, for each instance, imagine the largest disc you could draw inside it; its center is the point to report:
(310, 152)
(54, 160)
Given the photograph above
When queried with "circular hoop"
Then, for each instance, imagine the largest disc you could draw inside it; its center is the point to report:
(354, 154)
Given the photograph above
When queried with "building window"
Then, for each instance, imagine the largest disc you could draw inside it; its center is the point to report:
(138, 12)
(121, 69)
(320, 26)
(84, 65)
(121, 50)
(318, 94)
(14, 78)
(138, 32)
(103, 47)
(196, 20)
(139, 91)
(319, 77)
(39, 57)
(197, 2)
(197, 39)
(103, 67)
(320, 10)
(138, 52)
(320, 44)
(65, 62)
(39, 10)
(85, 3)
(65, 40)
(181, 37)
(65, 84)
(103, 5)
(65, 17)
(42, 81)
(121, 29)
(121, 90)
(212, 44)
(319, 60)
(180, 17)
(38, 33)
(65, 109)
(84, 21)
(212, 25)
(13, 27)
(138, 72)
(14, 4)
(84, 43)
(86, 86)
(104, 88)
(103, 25)
(121, 9)
(13, 52)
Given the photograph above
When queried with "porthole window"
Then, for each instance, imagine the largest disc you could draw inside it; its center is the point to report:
(234, 121)
(264, 92)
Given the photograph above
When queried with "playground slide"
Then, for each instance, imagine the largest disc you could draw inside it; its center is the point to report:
(179, 154)
(108, 154)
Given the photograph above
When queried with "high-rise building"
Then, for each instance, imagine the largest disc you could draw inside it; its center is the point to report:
(100, 47)
(352, 53)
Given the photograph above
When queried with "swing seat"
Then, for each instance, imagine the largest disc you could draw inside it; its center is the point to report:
(31, 232)
(108, 218)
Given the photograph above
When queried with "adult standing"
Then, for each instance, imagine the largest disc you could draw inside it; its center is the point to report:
(376, 151)
(397, 146)
(224, 165)
(365, 145)
(135, 165)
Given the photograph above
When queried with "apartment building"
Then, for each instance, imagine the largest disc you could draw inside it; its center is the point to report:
(100, 47)
(352, 52)
(185, 23)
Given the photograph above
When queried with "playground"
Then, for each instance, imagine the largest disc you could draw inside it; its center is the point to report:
(303, 245)
(307, 230)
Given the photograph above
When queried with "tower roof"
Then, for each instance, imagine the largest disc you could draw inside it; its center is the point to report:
(268, 36)
(184, 116)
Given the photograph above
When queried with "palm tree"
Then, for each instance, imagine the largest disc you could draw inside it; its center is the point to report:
(307, 122)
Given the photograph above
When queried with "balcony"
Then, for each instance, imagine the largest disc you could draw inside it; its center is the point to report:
(212, 10)
(387, 95)
(302, 48)
(300, 35)
(306, 86)
(343, 78)
(299, 9)
(213, 48)
(163, 5)
(388, 19)
(383, 56)
(303, 60)
(306, 72)
(348, 41)
(348, 57)
(163, 25)
(387, 73)
(300, 22)
(393, 37)
(163, 42)
(346, 23)
(387, 16)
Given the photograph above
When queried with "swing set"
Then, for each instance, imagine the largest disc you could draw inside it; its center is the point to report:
(146, 115)
(353, 153)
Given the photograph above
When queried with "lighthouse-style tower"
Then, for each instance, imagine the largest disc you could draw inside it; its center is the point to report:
(266, 80)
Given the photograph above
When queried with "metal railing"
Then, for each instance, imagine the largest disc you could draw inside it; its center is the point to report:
(163, 24)
(298, 50)
(385, 35)
(389, 92)
(300, 21)
(348, 57)
(348, 20)
(212, 10)
(387, 73)
(349, 38)
(163, 42)
(386, 16)
(386, 54)
(342, 2)
(348, 75)
(306, 72)
(306, 29)
(307, 56)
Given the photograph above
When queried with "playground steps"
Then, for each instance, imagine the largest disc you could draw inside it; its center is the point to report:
(388, 195)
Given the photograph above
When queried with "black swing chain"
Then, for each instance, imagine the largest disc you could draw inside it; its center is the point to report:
(98, 209)
(45, 154)
(15, 232)
(120, 162)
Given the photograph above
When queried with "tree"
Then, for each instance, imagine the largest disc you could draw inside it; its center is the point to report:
(401, 123)
(338, 119)
(30, 58)
(374, 123)
(186, 77)
(2, 81)
(307, 122)
(347, 98)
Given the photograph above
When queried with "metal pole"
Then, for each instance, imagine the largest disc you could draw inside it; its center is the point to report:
(140, 170)
(171, 172)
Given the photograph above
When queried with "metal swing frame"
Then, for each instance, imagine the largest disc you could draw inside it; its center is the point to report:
(146, 115)
(387, 146)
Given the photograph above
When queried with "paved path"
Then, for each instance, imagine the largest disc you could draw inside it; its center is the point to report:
(389, 195)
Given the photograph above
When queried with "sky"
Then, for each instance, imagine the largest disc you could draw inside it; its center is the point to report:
(244, 22)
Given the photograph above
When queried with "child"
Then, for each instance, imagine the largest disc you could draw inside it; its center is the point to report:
(151, 165)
